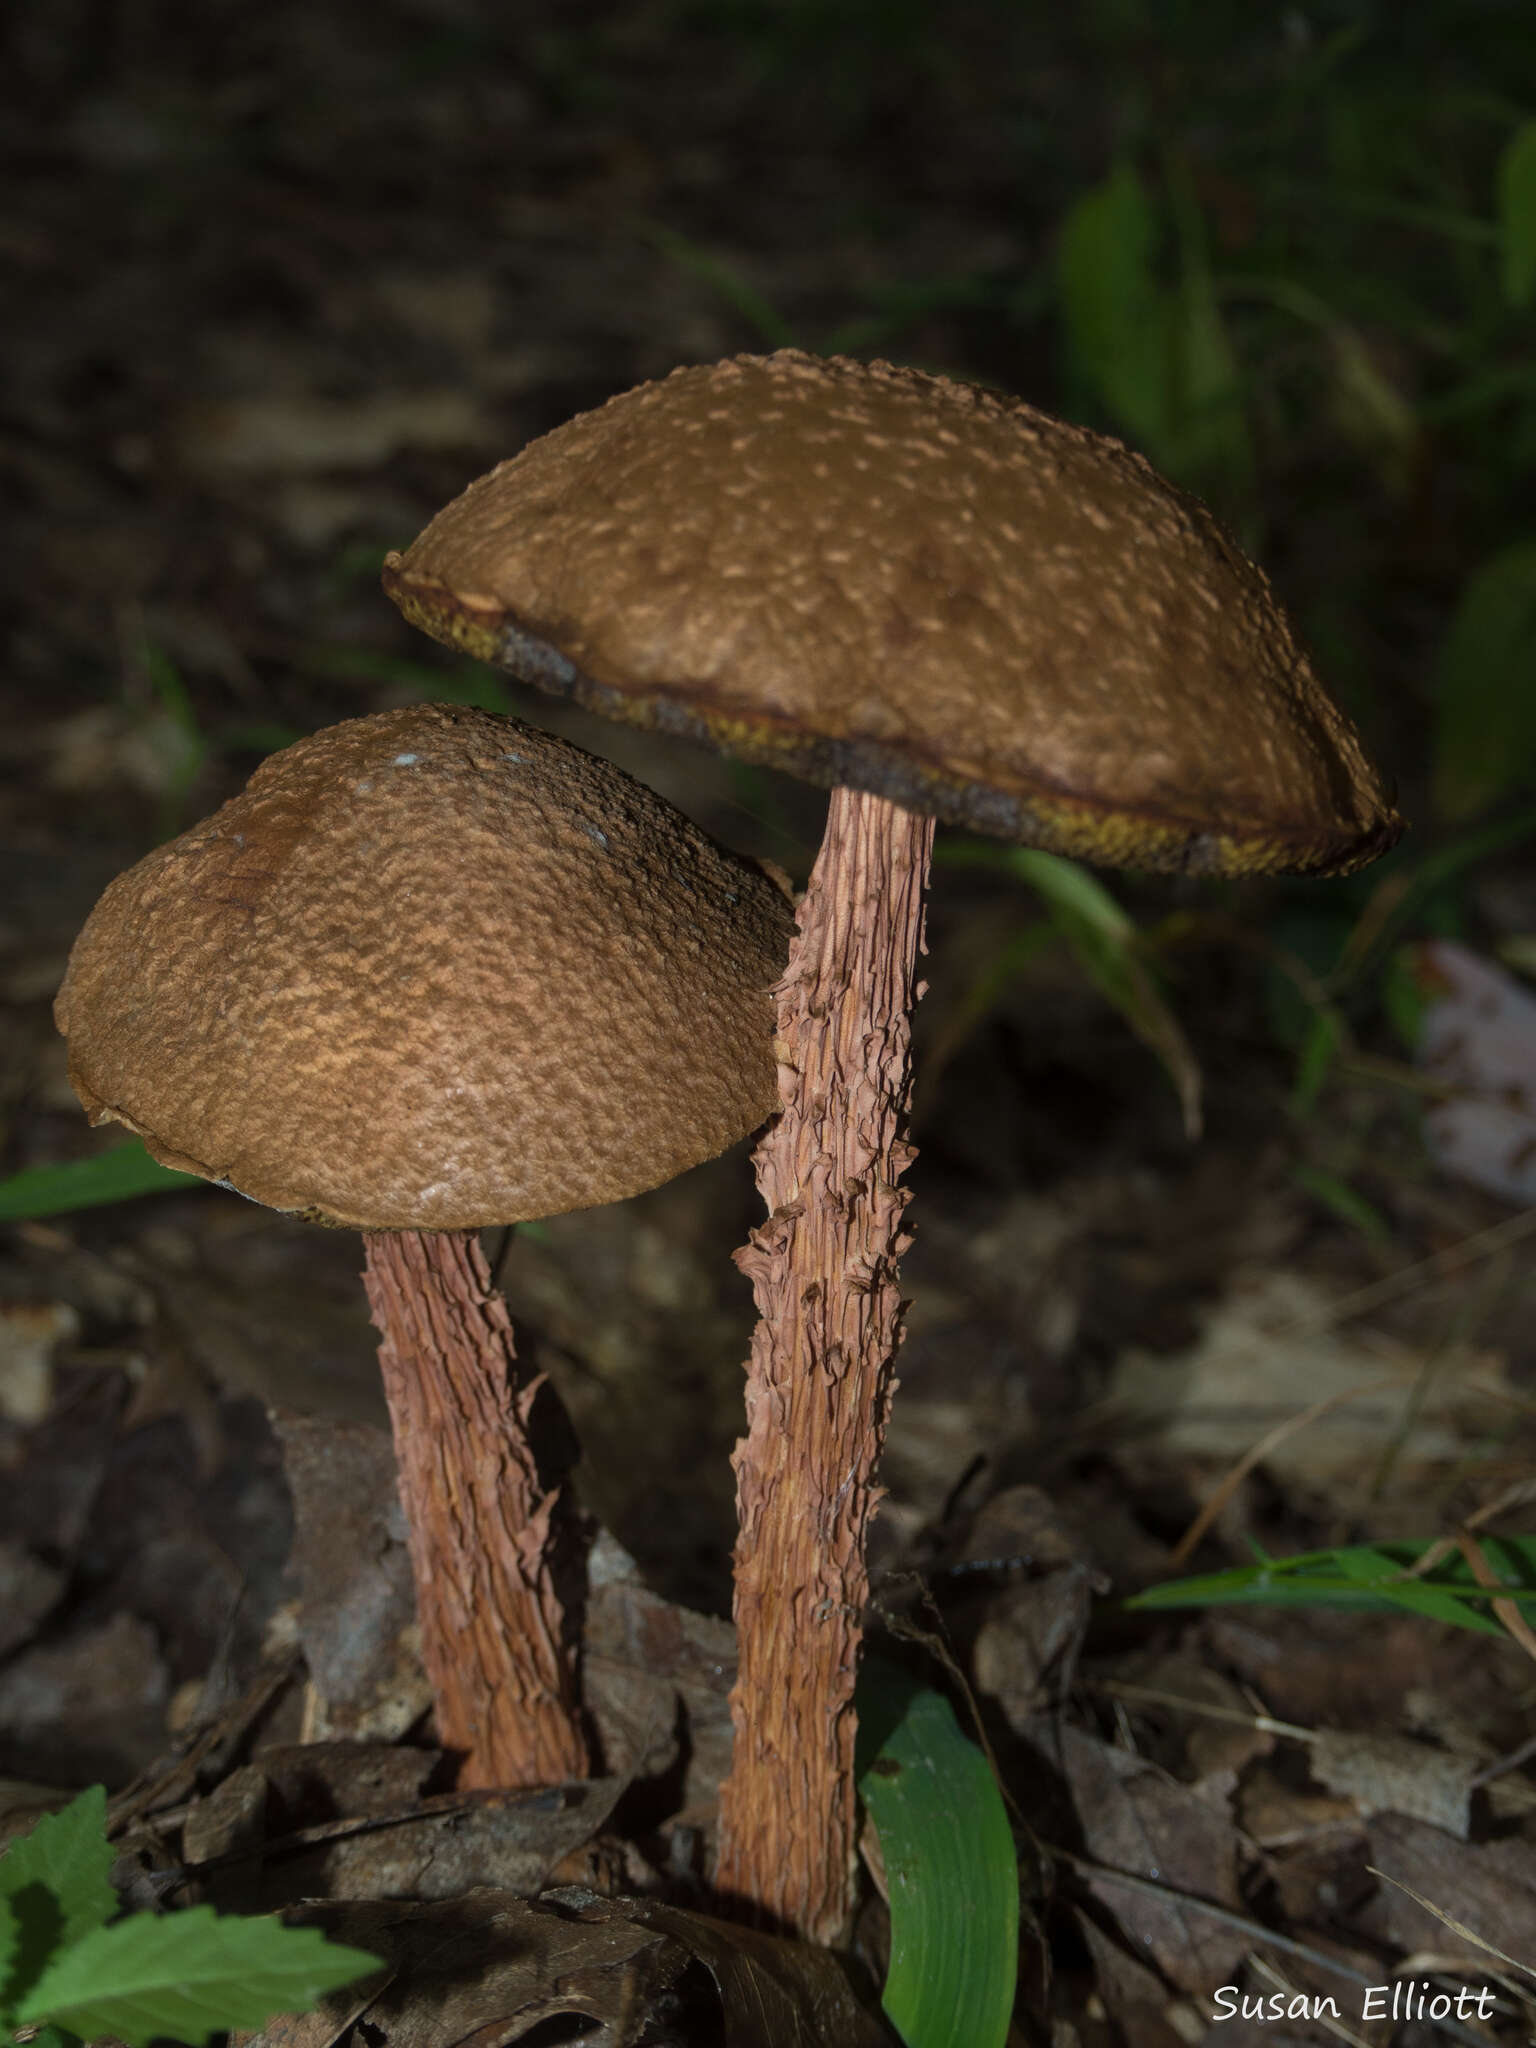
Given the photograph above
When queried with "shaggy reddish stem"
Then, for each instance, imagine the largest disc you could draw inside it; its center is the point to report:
(823, 1269)
(488, 1525)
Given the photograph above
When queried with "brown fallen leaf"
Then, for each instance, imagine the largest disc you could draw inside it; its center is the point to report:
(1385, 1773)
(656, 1677)
(1489, 1887)
(493, 1968)
(1135, 1818)
(357, 1599)
(1021, 1589)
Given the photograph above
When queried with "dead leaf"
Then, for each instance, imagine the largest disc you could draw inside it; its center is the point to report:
(91, 1705)
(31, 1588)
(1257, 1364)
(1135, 1818)
(492, 1968)
(1385, 1773)
(1487, 1886)
(284, 433)
(357, 1598)
(656, 1676)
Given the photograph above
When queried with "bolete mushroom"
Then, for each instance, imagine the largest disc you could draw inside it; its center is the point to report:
(435, 970)
(942, 603)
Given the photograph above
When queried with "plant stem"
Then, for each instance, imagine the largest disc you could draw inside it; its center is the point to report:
(823, 1269)
(491, 1526)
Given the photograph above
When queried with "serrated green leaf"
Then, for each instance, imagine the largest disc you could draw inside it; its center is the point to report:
(1517, 216)
(950, 1867)
(1485, 738)
(10, 1942)
(57, 1882)
(184, 1976)
(114, 1176)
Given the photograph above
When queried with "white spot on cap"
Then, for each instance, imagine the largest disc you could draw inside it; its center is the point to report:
(406, 760)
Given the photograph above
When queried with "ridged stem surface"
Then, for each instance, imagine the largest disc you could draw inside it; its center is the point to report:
(824, 1271)
(490, 1525)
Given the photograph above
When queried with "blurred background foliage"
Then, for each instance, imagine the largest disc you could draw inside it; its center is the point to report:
(285, 279)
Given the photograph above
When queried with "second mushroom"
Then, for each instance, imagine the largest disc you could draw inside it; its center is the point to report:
(435, 970)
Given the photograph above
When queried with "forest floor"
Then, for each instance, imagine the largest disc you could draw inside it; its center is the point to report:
(279, 286)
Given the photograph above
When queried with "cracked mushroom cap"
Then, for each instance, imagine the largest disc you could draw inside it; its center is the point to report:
(432, 970)
(870, 576)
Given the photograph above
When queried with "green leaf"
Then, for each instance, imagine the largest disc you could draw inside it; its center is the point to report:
(184, 1976)
(1485, 740)
(1347, 1203)
(10, 1943)
(1324, 1036)
(56, 1882)
(1212, 448)
(950, 1866)
(1370, 1576)
(1517, 216)
(1113, 307)
(113, 1176)
(1106, 945)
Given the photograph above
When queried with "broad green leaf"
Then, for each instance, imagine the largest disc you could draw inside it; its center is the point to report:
(950, 1867)
(113, 1176)
(184, 1976)
(1517, 216)
(1485, 739)
(1113, 307)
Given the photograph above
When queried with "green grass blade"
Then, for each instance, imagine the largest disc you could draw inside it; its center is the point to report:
(1367, 1576)
(950, 1866)
(184, 1976)
(114, 1176)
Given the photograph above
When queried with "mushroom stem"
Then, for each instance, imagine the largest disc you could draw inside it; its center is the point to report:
(490, 1524)
(823, 1269)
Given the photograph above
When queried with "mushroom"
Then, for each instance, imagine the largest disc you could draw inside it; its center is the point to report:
(435, 970)
(942, 603)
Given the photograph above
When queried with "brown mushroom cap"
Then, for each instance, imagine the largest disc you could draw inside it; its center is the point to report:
(432, 970)
(874, 577)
